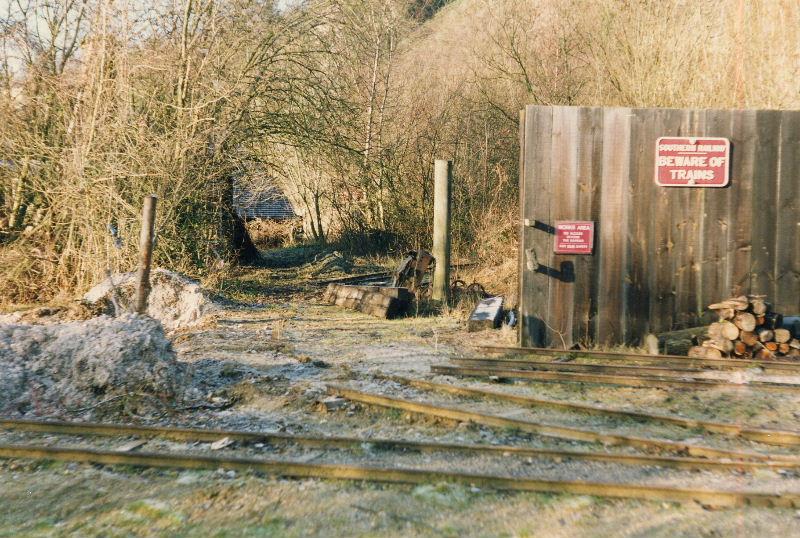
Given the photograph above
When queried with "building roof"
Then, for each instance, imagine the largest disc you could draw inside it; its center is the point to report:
(270, 204)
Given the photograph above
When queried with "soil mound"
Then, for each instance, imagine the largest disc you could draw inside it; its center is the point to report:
(65, 366)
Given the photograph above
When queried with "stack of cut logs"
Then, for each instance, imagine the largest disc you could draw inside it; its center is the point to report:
(747, 329)
(383, 302)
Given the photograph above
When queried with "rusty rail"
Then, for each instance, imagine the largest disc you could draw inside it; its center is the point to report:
(657, 382)
(358, 443)
(551, 430)
(636, 357)
(403, 475)
(761, 435)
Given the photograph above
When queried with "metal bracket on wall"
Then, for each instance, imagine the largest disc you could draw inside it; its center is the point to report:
(539, 225)
(565, 273)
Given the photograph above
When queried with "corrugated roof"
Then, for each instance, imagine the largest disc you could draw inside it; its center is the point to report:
(271, 204)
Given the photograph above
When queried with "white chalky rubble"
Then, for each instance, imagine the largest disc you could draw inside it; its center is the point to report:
(72, 364)
(175, 300)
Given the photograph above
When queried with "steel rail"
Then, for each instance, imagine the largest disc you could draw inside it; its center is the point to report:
(172, 433)
(658, 382)
(551, 430)
(185, 434)
(348, 278)
(296, 469)
(671, 359)
(762, 435)
(571, 366)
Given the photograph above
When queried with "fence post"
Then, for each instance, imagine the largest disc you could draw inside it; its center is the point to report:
(145, 252)
(442, 190)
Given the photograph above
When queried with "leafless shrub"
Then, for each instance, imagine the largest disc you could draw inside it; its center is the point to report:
(344, 103)
(107, 108)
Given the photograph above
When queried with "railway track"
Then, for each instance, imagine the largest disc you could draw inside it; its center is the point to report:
(762, 435)
(724, 363)
(657, 382)
(720, 498)
(300, 469)
(572, 366)
(657, 452)
(358, 443)
(551, 430)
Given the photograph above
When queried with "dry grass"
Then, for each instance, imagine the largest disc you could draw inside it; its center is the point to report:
(174, 108)
(267, 234)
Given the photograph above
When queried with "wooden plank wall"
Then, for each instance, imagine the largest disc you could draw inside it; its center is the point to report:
(661, 254)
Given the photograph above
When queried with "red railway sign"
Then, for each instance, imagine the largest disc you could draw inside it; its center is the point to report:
(574, 237)
(692, 162)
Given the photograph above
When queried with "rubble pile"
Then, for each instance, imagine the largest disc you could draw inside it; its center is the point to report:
(747, 328)
(65, 366)
(175, 300)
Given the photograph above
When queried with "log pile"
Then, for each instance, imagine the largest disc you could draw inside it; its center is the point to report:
(747, 328)
(379, 301)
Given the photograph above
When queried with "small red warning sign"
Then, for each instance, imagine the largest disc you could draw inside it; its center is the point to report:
(574, 237)
(692, 162)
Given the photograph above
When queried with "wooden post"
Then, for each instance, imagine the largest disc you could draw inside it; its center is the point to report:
(443, 182)
(145, 252)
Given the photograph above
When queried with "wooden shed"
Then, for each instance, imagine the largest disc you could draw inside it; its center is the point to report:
(661, 254)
